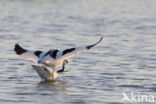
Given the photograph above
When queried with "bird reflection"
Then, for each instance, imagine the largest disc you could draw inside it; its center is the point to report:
(52, 85)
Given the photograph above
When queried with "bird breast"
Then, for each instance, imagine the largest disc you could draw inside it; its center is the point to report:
(54, 64)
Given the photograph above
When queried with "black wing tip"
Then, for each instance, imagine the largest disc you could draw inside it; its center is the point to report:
(16, 45)
(101, 39)
(18, 49)
(90, 46)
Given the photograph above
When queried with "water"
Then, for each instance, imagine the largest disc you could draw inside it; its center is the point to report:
(124, 62)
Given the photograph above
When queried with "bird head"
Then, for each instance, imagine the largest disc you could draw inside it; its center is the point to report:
(65, 62)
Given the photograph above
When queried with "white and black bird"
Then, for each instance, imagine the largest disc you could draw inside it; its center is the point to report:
(46, 73)
(53, 58)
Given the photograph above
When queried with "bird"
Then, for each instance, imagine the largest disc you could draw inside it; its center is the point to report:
(46, 73)
(53, 58)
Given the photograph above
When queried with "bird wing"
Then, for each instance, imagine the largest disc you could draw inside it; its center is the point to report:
(68, 53)
(27, 54)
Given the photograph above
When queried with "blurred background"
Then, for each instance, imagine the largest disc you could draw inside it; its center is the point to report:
(124, 62)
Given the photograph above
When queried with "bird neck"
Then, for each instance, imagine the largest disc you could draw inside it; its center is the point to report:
(55, 75)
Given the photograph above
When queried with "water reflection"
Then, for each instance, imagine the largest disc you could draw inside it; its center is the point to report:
(52, 85)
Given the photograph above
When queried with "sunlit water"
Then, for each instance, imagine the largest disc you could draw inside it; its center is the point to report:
(124, 62)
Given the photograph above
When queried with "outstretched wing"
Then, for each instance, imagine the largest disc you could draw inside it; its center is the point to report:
(68, 53)
(27, 54)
